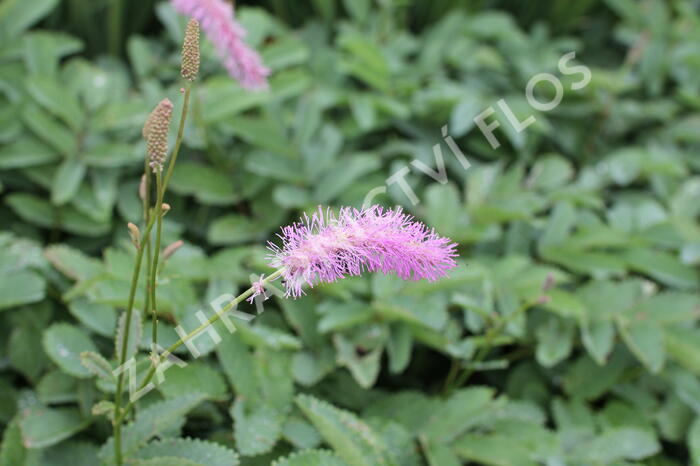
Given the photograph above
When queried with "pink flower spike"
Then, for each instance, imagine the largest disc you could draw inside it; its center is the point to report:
(326, 248)
(216, 18)
(258, 289)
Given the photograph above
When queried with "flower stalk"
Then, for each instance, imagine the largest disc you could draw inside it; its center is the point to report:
(230, 306)
(155, 132)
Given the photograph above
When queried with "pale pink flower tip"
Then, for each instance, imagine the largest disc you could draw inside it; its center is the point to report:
(258, 289)
(326, 248)
(217, 20)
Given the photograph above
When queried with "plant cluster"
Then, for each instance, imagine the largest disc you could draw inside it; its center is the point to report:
(563, 329)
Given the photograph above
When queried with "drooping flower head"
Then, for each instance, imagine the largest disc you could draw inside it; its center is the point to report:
(217, 20)
(326, 247)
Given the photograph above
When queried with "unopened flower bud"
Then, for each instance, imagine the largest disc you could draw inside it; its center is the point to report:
(155, 131)
(165, 208)
(142, 188)
(548, 283)
(190, 51)
(135, 234)
(170, 250)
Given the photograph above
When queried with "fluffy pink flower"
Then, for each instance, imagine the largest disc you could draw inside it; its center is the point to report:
(217, 20)
(326, 247)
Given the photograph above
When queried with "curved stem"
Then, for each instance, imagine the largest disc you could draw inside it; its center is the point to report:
(231, 305)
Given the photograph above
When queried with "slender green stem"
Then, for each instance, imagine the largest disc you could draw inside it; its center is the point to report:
(154, 263)
(125, 342)
(231, 305)
(161, 187)
(147, 239)
(491, 335)
(115, 26)
(180, 135)
(119, 414)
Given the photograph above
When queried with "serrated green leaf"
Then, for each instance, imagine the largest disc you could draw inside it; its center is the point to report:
(32, 209)
(96, 364)
(646, 340)
(206, 184)
(233, 229)
(72, 262)
(67, 180)
(71, 453)
(399, 347)
(457, 413)
(364, 369)
(694, 441)
(300, 433)
(21, 287)
(393, 407)
(683, 346)
(151, 421)
(43, 427)
(554, 341)
(25, 351)
(50, 95)
(50, 131)
(239, 366)
(351, 438)
(622, 443)
(559, 225)
(98, 317)
(274, 375)
(57, 387)
(586, 380)
(12, 452)
(493, 450)
(166, 461)
(17, 15)
(310, 458)
(194, 377)
(438, 454)
(197, 451)
(256, 431)
(663, 267)
(399, 442)
(345, 315)
(26, 152)
(64, 343)
(598, 338)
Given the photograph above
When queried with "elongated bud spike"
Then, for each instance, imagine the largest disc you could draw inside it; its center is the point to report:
(155, 131)
(170, 250)
(135, 234)
(190, 51)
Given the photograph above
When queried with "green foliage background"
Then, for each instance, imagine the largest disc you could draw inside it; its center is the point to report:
(600, 194)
